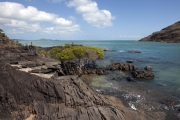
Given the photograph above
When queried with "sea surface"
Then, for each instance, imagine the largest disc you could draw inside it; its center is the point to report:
(161, 93)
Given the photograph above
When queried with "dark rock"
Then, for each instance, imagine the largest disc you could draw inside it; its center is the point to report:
(25, 94)
(129, 61)
(24, 66)
(148, 68)
(101, 71)
(122, 66)
(40, 63)
(134, 51)
(30, 65)
(105, 50)
(171, 101)
(28, 96)
(14, 62)
(130, 79)
(142, 75)
(44, 71)
(125, 67)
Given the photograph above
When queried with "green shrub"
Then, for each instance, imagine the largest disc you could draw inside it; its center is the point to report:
(43, 52)
(66, 54)
(67, 45)
(55, 51)
(76, 52)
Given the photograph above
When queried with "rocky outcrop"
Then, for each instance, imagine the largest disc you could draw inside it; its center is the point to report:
(142, 75)
(122, 66)
(23, 96)
(168, 34)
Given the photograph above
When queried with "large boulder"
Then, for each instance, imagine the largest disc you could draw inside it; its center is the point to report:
(142, 75)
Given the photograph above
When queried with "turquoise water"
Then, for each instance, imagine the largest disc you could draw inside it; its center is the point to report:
(163, 57)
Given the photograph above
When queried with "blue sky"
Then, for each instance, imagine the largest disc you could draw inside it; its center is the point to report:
(86, 19)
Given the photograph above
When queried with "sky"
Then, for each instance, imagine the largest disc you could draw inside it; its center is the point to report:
(86, 19)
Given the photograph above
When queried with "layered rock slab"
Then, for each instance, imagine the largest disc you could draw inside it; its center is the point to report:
(23, 95)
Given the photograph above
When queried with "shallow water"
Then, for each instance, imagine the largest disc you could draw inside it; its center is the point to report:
(149, 94)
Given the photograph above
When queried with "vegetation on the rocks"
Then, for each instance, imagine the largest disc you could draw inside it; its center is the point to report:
(43, 52)
(68, 52)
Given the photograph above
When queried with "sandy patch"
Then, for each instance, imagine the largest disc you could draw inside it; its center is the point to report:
(19, 66)
(43, 75)
(30, 117)
(25, 69)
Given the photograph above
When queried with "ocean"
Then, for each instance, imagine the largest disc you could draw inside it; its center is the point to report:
(145, 94)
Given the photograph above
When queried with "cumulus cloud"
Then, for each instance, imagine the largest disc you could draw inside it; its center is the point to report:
(91, 13)
(31, 19)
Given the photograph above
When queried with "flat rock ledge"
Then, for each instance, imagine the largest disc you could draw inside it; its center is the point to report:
(26, 96)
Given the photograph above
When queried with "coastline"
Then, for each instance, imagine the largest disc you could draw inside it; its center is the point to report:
(68, 97)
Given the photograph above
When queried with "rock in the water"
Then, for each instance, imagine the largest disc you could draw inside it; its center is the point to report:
(134, 51)
(122, 66)
(148, 68)
(142, 75)
(105, 50)
(130, 61)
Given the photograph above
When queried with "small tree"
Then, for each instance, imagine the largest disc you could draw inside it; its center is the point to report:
(84, 54)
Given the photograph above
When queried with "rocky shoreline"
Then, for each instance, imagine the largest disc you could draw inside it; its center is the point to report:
(33, 87)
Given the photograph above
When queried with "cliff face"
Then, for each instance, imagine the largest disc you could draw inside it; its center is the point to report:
(168, 34)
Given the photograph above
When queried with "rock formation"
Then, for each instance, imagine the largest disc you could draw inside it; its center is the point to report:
(23, 96)
(122, 66)
(27, 96)
(168, 34)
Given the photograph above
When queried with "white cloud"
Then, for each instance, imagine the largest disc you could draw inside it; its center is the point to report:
(15, 31)
(31, 19)
(62, 30)
(91, 13)
(56, 1)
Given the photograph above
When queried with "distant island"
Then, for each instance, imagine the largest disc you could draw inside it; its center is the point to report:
(170, 34)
